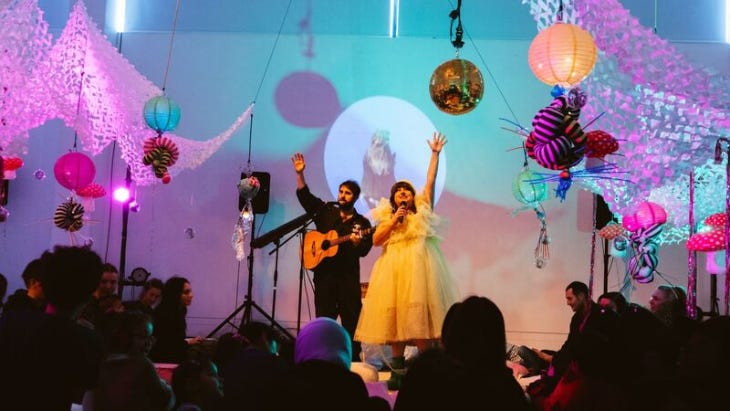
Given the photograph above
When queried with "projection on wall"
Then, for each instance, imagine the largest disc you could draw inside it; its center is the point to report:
(378, 141)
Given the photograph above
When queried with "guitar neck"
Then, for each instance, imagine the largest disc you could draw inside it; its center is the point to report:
(340, 240)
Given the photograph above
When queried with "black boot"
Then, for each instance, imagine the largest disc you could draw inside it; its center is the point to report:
(397, 371)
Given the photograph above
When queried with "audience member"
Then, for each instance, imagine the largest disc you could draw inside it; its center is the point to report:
(252, 374)
(469, 369)
(151, 292)
(48, 361)
(33, 297)
(92, 313)
(614, 301)
(587, 318)
(321, 378)
(127, 378)
(197, 386)
(170, 323)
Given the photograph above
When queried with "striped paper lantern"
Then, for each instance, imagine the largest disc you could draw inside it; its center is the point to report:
(562, 54)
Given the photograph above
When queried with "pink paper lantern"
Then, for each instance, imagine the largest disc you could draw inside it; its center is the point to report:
(629, 222)
(649, 214)
(74, 170)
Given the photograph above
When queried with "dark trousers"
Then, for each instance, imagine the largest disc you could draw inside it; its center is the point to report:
(337, 294)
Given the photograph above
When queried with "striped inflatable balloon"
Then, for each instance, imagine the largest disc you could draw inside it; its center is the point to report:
(69, 216)
(557, 141)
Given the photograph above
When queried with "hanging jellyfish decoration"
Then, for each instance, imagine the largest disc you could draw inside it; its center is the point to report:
(644, 226)
(558, 142)
(248, 188)
(160, 153)
(532, 193)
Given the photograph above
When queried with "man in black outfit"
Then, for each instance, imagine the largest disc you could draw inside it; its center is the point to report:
(337, 278)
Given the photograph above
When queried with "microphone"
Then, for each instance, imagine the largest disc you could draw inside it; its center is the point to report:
(403, 204)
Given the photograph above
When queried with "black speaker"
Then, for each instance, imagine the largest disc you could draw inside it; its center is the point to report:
(603, 213)
(260, 203)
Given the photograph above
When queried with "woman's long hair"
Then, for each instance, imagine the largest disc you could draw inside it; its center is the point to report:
(171, 296)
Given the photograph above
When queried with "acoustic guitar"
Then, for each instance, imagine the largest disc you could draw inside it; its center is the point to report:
(318, 246)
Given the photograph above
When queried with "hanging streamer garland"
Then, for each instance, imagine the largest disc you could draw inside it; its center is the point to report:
(160, 153)
(69, 216)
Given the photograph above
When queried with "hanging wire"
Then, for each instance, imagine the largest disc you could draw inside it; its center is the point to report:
(271, 55)
(456, 15)
(169, 51)
(484, 63)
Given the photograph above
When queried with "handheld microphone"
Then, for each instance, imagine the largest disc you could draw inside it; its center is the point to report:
(403, 204)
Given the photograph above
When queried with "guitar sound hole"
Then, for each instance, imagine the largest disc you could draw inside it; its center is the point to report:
(325, 244)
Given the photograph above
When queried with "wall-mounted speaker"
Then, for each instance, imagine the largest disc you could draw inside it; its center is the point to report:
(260, 203)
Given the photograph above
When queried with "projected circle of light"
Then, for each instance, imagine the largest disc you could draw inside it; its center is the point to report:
(377, 141)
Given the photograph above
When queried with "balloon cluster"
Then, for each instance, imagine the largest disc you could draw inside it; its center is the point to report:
(557, 140)
(69, 216)
(161, 153)
(644, 226)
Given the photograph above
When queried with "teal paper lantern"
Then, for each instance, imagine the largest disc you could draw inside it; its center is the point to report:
(161, 114)
(527, 190)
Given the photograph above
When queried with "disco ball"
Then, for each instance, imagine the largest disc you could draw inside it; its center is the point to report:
(456, 86)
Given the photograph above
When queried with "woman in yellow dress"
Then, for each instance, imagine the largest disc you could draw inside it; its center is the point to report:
(411, 288)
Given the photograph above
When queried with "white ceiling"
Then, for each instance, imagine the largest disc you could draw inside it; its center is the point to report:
(675, 20)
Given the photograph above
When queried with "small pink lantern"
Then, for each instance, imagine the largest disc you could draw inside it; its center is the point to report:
(74, 170)
(649, 214)
(562, 54)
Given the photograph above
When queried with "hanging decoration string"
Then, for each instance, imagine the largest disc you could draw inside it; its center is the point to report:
(456, 15)
(169, 51)
(459, 29)
(271, 54)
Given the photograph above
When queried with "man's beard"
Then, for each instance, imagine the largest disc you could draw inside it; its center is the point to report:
(347, 206)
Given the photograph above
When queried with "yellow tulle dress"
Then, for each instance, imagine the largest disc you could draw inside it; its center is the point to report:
(410, 287)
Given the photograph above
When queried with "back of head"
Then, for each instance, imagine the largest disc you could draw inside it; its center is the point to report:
(473, 332)
(323, 339)
(619, 301)
(119, 330)
(70, 275)
(32, 271)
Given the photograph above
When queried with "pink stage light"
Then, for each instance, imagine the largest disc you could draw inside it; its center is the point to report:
(121, 194)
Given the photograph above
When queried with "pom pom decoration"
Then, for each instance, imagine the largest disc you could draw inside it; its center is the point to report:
(611, 231)
(9, 165)
(69, 216)
(248, 188)
(600, 144)
(161, 114)
(89, 193)
(74, 170)
(161, 153)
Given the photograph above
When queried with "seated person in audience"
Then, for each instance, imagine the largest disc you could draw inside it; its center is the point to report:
(33, 297)
(111, 304)
(469, 369)
(172, 344)
(151, 292)
(91, 314)
(613, 301)
(321, 378)
(252, 373)
(48, 360)
(127, 378)
(197, 386)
